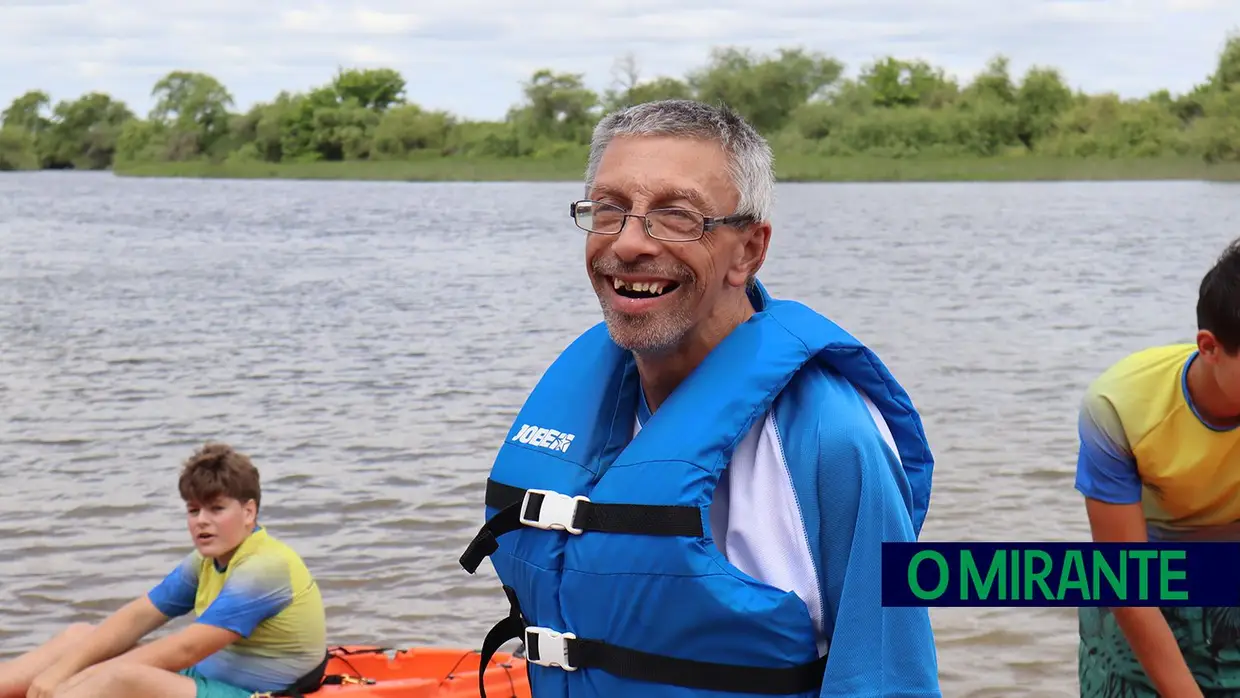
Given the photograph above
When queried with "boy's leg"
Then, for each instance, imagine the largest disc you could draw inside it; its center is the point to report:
(127, 680)
(16, 674)
(210, 688)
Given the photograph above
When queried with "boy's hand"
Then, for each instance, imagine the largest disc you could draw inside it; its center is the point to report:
(81, 677)
(46, 683)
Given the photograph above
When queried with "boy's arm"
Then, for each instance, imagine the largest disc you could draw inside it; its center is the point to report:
(1107, 475)
(173, 596)
(182, 649)
(864, 500)
(258, 587)
(117, 633)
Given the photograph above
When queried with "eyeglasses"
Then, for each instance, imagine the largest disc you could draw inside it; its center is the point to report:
(668, 224)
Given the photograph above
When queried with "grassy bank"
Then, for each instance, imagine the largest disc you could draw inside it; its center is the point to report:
(420, 170)
(789, 167)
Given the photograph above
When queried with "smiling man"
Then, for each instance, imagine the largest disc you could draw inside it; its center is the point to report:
(260, 622)
(695, 495)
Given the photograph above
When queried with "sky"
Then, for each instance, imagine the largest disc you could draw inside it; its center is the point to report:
(469, 57)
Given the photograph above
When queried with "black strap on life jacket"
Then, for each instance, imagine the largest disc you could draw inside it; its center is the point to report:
(553, 511)
(509, 628)
(548, 648)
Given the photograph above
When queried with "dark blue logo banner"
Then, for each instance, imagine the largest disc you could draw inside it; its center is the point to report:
(1061, 574)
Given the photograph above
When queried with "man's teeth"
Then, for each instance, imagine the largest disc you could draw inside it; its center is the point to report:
(655, 287)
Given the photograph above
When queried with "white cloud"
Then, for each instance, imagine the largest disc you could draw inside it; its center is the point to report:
(470, 56)
(385, 22)
(91, 69)
(1195, 5)
(1092, 12)
(370, 56)
(302, 20)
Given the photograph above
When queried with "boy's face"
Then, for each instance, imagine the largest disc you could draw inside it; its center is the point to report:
(219, 526)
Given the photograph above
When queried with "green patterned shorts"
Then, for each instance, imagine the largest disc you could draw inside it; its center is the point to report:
(1208, 637)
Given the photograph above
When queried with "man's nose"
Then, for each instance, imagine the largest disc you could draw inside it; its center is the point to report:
(632, 242)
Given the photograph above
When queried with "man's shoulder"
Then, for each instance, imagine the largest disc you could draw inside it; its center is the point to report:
(823, 407)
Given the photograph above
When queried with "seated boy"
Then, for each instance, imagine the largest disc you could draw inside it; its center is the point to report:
(259, 627)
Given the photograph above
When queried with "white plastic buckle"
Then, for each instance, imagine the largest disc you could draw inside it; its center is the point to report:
(552, 647)
(556, 512)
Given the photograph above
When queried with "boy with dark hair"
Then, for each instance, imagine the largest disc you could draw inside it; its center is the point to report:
(1158, 461)
(260, 622)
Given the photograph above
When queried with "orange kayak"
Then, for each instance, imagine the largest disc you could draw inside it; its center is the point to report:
(420, 672)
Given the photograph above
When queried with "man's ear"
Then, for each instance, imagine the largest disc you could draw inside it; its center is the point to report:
(755, 239)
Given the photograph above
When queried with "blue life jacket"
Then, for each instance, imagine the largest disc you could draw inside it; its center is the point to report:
(602, 541)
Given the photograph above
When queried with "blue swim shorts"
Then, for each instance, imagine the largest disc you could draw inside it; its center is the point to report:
(211, 688)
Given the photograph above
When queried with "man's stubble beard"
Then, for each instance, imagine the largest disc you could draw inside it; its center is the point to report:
(652, 335)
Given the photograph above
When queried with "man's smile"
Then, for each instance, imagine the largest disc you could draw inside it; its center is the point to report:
(637, 293)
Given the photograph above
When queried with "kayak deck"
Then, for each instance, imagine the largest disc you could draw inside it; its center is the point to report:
(362, 671)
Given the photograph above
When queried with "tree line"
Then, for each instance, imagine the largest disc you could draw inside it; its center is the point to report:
(894, 107)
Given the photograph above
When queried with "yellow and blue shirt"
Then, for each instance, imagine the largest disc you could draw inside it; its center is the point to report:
(267, 596)
(1142, 440)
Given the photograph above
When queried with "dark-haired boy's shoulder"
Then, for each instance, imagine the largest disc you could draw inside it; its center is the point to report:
(1131, 381)
(1142, 360)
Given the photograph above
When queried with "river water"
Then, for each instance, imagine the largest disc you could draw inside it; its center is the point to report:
(369, 343)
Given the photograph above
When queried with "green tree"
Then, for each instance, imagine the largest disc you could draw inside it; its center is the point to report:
(765, 91)
(193, 108)
(28, 112)
(377, 88)
(83, 133)
(558, 108)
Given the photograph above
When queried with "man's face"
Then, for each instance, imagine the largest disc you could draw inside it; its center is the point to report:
(219, 526)
(644, 173)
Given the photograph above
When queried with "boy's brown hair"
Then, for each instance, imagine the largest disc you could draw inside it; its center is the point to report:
(215, 470)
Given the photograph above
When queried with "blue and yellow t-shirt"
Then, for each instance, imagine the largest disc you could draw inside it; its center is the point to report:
(267, 596)
(1142, 440)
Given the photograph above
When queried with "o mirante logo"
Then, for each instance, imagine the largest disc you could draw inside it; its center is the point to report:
(1061, 574)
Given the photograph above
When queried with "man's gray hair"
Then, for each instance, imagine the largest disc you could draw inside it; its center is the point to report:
(749, 155)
